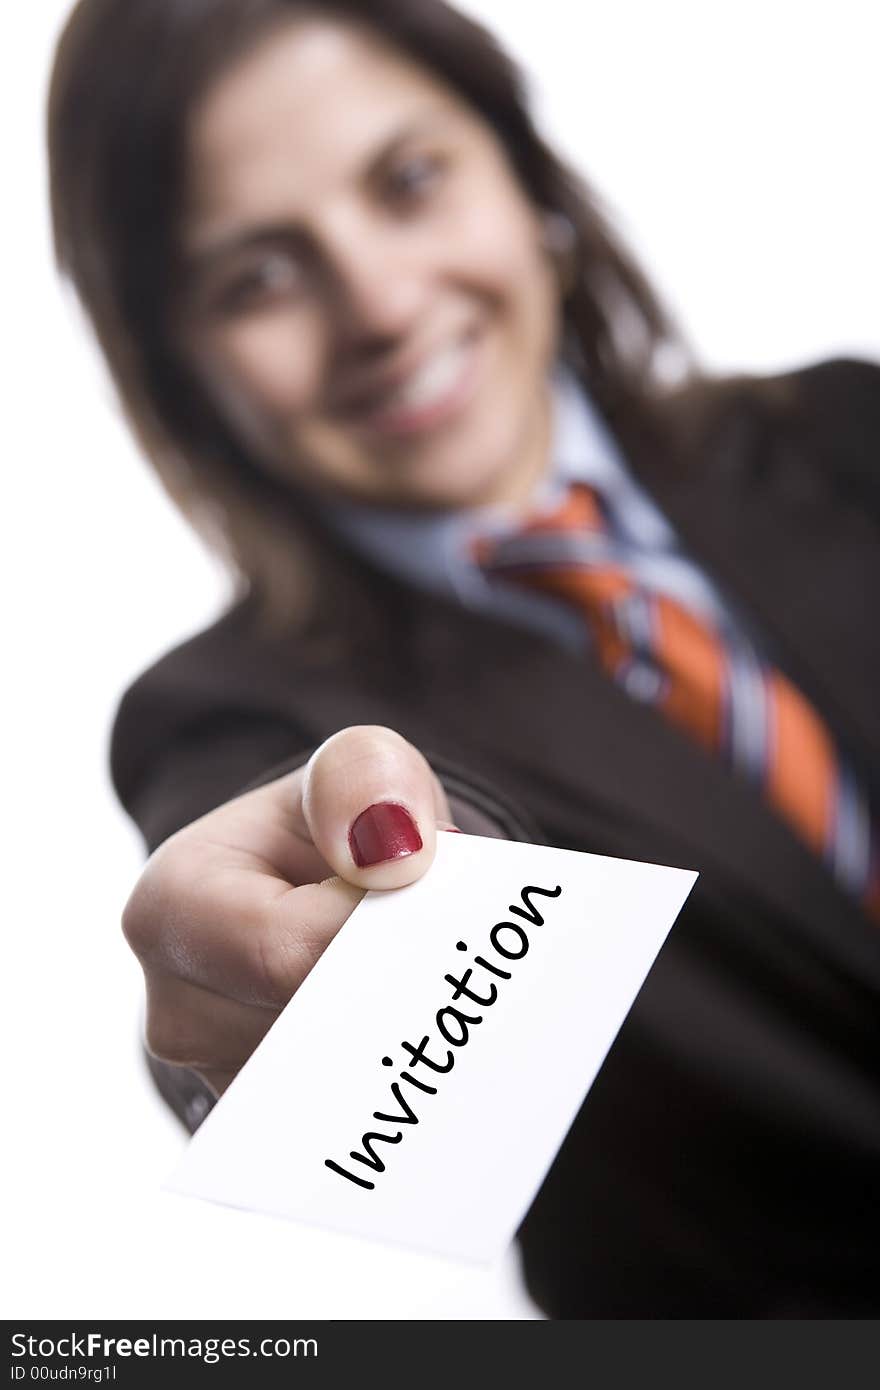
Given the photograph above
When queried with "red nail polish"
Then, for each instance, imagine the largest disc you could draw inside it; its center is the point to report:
(382, 832)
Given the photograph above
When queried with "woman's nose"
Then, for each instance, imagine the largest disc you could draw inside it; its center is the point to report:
(378, 289)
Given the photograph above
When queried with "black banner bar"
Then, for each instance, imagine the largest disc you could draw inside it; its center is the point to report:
(710, 1354)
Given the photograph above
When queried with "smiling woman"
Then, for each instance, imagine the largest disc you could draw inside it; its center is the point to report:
(381, 344)
(264, 262)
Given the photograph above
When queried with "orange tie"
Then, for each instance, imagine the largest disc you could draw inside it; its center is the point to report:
(718, 691)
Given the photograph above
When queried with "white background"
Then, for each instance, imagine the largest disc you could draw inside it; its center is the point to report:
(737, 145)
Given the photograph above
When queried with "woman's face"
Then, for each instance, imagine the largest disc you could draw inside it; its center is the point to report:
(366, 291)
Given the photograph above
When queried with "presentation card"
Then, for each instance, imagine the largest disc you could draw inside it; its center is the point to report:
(419, 1084)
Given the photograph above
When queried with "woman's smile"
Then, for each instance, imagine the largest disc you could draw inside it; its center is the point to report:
(422, 397)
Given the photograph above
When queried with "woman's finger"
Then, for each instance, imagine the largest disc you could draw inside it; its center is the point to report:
(225, 923)
(371, 804)
(193, 1027)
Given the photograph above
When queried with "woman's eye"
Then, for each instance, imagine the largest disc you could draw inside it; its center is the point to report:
(412, 179)
(272, 277)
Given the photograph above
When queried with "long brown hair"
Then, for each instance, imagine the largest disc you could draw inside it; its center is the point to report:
(125, 77)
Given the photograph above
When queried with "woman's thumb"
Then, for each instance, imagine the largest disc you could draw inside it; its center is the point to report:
(371, 804)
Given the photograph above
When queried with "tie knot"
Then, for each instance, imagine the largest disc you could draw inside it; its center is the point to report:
(579, 512)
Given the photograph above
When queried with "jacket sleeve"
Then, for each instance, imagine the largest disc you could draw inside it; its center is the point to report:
(165, 785)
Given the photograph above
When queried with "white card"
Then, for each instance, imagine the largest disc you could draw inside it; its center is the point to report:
(521, 1029)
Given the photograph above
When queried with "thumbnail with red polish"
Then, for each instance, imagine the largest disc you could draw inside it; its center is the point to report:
(382, 832)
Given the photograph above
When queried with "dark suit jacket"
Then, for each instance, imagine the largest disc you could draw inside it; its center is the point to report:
(726, 1160)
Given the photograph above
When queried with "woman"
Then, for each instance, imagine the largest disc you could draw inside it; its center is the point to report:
(382, 347)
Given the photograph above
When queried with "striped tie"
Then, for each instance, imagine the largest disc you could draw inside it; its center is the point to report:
(714, 687)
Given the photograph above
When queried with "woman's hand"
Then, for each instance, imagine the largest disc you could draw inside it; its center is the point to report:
(232, 912)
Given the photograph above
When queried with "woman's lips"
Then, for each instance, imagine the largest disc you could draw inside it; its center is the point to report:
(438, 388)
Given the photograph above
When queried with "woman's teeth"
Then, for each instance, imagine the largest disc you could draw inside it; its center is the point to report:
(431, 382)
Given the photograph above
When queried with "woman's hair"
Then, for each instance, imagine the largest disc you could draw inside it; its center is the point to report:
(125, 79)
